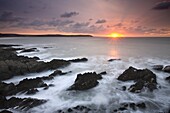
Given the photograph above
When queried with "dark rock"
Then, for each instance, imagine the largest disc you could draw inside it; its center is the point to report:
(143, 78)
(55, 73)
(103, 73)
(158, 67)
(29, 50)
(32, 91)
(45, 88)
(137, 87)
(5, 111)
(23, 103)
(51, 85)
(122, 108)
(12, 65)
(3, 102)
(79, 60)
(27, 84)
(69, 110)
(7, 89)
(132, 106)
(167, 69)
(124, 88)
(167, 78)
(86, 81)
(141, 105)
(111, 60)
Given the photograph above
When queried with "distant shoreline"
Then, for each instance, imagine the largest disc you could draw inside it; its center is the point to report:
(46, 35)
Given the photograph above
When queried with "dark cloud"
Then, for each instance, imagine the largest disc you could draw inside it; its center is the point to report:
(8, 16)
(69, 14)
(162, 5)
(59, 22)
(100, 21)
(118, 25)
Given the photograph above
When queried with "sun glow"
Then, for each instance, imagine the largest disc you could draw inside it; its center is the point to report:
(115, 35)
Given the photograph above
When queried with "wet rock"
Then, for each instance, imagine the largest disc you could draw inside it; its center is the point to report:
(86, 81)
(103, 73)
(167, 78)
(79, 60)
(27, 84)
(55, 73)
(137, 87)
(132, 106)
(5, 111)
(23, 103)
(141, 105)
(111, 60)
(7, 89)
(13, 65)
(158, 67)
(32, 91)
(143, 78)
(167, 69)
(124, 88)
(3, 102)
(29, 50)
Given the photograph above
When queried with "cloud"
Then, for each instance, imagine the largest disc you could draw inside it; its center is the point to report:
(8, 16)
(162, 5)
(118, 25)
(69, 14)
(100, 21)
(59, 22)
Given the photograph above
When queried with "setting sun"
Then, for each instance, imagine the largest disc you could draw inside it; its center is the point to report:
(115, 35)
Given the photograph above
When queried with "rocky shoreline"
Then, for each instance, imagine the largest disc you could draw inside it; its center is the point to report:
(12, 65)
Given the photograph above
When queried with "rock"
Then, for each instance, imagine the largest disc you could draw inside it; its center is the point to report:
(28, 84)
(103, 73)
(13, 65)
(158, 67)
(23, 103)
(5, 111)
(167, 69)
(7, 89)
(167, 78)
(3, 102)
(29, 50)
(79, 60)
(132, 106)
(143, 78)
(129, 74)
(141, 105)
(124, 88)
(32, 91)
(111, 60)
(86, 81)
(137, 87)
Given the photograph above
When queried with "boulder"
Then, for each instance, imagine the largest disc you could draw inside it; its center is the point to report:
(158, 67)
(86, 81)
(143, 78)
(167, 69)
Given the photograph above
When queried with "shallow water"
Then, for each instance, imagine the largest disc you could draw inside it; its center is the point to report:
(140, 53)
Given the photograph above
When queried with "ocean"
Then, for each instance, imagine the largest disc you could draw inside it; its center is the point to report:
(140, 53)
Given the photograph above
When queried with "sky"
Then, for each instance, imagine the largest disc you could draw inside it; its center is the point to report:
(95, 17)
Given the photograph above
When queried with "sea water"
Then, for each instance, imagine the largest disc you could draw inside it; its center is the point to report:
(140, 53)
